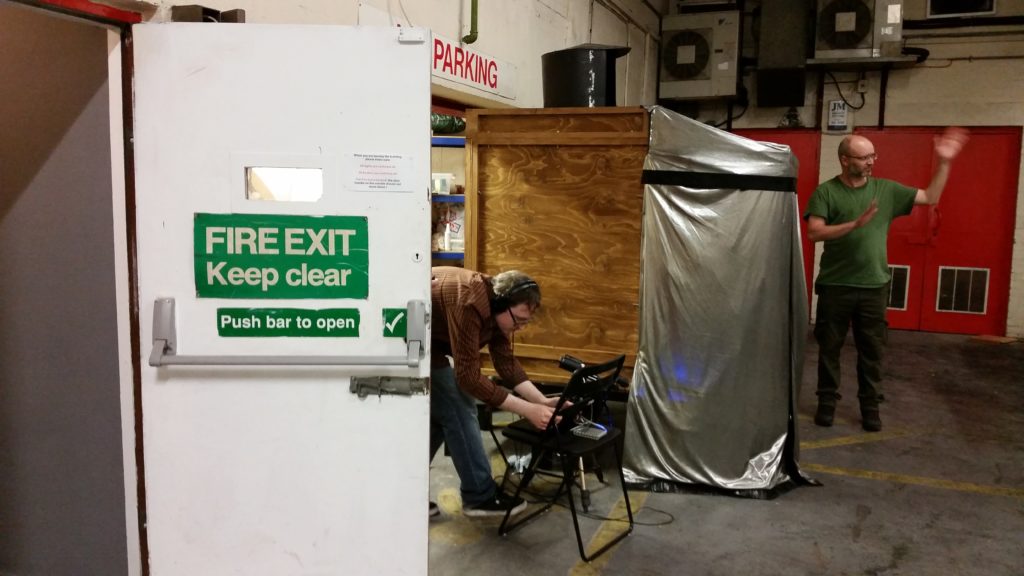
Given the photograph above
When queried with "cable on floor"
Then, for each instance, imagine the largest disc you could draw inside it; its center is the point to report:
(540, 499)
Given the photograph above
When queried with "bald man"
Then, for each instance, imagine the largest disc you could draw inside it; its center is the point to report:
(851, 214)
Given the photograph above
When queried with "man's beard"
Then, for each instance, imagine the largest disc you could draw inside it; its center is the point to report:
(860, 173)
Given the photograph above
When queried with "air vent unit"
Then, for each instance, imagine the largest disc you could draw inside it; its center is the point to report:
(858, 28)
(699, 55)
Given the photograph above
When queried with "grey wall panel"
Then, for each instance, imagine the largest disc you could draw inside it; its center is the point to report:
(62, 506)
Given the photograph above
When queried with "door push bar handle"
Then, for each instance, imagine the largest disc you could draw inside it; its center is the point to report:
(165, 345)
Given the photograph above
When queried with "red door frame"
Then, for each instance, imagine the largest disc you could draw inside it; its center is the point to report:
(88, 10)
(806, 146)
(906, 157)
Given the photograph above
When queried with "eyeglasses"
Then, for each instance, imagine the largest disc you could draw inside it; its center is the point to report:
(516, 321)
(864, 158)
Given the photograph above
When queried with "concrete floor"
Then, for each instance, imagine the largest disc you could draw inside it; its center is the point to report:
(939, 491)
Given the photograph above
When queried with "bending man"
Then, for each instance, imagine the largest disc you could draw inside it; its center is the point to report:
(471, 310)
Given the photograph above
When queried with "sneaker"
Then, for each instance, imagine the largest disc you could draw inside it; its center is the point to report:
(870, 420)
(825, 414)
(496, 506)
(434, 510)
(507, 499)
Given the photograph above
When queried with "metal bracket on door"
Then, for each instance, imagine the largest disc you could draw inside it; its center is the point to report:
(380, 385)
(165, 345)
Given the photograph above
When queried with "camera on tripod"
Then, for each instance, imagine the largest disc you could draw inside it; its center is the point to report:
(571, 363)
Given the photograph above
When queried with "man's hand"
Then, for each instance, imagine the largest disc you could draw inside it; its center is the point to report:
(868, 214)
(950, 143)
(539, 415)
(538, 409)
(947, 147)
(553, 400)
(818, 231)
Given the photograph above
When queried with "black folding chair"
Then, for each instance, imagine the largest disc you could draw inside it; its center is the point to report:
(584, 394)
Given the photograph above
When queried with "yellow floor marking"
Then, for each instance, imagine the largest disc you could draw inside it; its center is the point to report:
(854, 439)
(809, 418)
(605, 533)
(456, 529)
(453, 528)
(916, 480)
(497, 465)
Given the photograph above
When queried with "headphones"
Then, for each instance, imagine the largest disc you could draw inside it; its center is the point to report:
(503, 302)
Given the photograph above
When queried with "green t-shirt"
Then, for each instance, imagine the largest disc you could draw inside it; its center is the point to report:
(858, 258)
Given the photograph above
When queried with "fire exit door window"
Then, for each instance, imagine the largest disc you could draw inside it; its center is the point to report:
(275, 184)
(898, 287)
(963, 290)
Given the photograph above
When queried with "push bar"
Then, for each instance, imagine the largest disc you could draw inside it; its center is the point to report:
(165, 345)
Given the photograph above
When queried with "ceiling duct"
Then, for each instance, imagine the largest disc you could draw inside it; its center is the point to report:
(782, 42)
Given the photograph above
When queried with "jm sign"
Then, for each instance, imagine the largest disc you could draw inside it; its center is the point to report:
(271, 256)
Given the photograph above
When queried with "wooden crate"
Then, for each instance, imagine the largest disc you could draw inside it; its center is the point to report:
(556, 193)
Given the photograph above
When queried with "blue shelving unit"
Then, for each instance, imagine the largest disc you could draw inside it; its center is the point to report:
(448, 142)
(448, 255)
(455, 198)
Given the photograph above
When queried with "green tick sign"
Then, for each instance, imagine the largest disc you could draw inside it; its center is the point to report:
(394, 323)
(271, 256)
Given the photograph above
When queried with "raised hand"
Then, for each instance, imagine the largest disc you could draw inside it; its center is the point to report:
(951, 142)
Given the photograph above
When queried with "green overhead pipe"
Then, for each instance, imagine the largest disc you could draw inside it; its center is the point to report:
(471, 37)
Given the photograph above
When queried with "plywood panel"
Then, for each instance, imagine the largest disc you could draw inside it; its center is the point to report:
(568, 212)
(623, 122)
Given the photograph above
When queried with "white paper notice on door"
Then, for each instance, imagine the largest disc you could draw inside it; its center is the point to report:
(378, 172)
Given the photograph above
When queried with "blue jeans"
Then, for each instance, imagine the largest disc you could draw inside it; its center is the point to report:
(453, 421)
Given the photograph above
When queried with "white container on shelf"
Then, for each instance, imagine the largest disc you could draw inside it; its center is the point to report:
(442, 182)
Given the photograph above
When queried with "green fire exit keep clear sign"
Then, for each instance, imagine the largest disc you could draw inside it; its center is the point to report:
(277, 256)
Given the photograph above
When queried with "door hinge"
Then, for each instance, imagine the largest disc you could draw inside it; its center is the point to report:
(363, 386)
(412, 36)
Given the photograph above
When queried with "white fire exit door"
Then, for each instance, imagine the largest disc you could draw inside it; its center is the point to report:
(283, 264)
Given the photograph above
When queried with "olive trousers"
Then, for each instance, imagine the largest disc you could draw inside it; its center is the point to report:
(838, 308)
